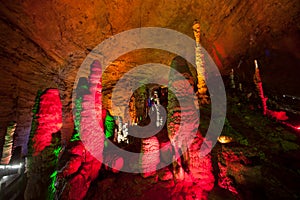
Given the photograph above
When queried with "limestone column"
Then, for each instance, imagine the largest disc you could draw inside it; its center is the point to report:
(44, 145)
(202, 88)
(8, 143)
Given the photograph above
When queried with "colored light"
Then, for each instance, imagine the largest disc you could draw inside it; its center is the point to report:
(225, 139)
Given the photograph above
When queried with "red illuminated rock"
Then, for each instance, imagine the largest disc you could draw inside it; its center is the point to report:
(149, 156)
(183, 123)
(92, 122)
(80, 171)
(46, 140)
(49, 120)
(86, 155)
(34, 53)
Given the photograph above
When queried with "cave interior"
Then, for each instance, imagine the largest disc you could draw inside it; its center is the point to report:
(135, 99)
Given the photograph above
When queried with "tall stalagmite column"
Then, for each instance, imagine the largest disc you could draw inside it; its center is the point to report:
(183, 114)
(92, 122)
(149, 156)
(192, 169)
(202, 88)
(132, 110)
(86, 146)
(8, 143)
(42, 159)
(258, 83)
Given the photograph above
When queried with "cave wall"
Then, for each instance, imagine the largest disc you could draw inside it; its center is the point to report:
(43, 44)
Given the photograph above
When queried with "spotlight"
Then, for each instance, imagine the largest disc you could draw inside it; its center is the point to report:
(224, 139)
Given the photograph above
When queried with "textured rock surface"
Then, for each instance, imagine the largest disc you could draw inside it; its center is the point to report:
(149, 156)
(183, 124)
(81, 169)
(42, 161)
(44, 42)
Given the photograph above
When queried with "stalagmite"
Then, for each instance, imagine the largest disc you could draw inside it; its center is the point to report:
(7, 147)
(132, 110)
(192, 168)
(82, 89)
(85, 161)
(155, 109)
(202, 88)
(92, 123)
(278, 115)
(109, 124)
(120, 126)
(181, 115)
(232, 82)
(45, 143)
(258, 83)
(49, 120)
(149, 156)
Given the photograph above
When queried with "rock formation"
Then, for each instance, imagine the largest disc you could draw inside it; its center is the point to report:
(43, 44)
(183, 124)
(49, 40)
(42, 162)
(8, 143)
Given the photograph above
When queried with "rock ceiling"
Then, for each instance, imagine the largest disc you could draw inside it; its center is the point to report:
(43, 43)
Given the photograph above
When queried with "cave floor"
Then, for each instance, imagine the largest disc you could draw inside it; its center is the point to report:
(261, 162)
